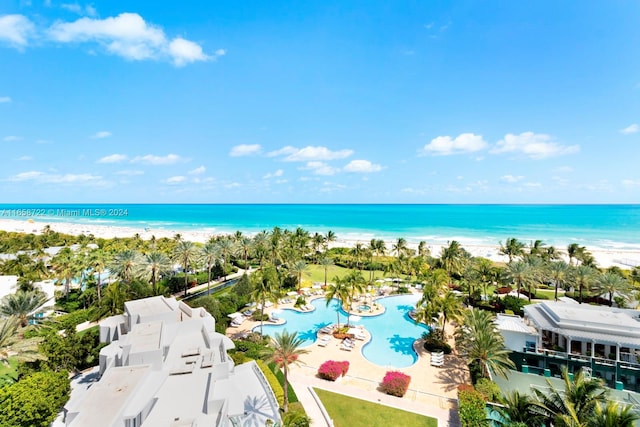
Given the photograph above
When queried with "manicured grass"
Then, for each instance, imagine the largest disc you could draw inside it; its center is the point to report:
(315, 273)
(8, 373)
(350, 412)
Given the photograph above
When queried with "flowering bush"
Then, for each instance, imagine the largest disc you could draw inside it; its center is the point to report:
(395, 383)
(331, 370)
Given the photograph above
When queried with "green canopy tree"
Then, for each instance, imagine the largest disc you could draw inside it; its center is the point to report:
(14, 345)
(22, 305)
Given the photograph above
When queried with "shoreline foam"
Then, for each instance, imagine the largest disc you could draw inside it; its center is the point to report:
(605, 257)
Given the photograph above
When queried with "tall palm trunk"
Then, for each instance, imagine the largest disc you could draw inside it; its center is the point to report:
(99, 287)
(186, 279)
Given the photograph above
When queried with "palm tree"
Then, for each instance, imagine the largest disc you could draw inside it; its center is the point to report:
(355, 284)
(185, 253)
(64, 267)
(97, 262)
(481, 343)
(244, 246)
(538, 248)
(450, 308)
(519, 408)
(210, 256)
(573, 251)
(299, 268)
(260, 246)
(423, 250)
(453, 258)
(583, 276)
(400, 247)
(485, 273)
(317, 240)
(326, 262)
(22, 305)
(14, 345)
(512, 248)
(522, 275)
(265, 288)
(328, 238)
(576, 404)
(156, 264)
(558, 271)
(611, 415)
(226, 249)
(338, 290)
(357, 251)
(611, 283)
(125, 265)
(285, 352)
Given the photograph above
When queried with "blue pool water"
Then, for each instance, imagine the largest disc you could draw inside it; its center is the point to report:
(393, 333)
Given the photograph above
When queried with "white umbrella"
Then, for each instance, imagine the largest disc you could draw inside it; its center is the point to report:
(234, 315)
(355, 318)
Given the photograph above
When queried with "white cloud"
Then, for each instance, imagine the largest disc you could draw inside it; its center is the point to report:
(445, 145)
(112, 158)
(245, 150)
(282, 151)
(80, 10)
(151, 159)
(198, 171)
(233, 185)
(130, 36)
(129, 172)
(175, 180)
(362, 166)
(630, 129)
(184, 52)
(100, 135)
(5, 99)
(631, 183)
(511, 179)
(535, 146)
(309, 154)
(16, 30)
(11, 138)
(321, 168)
(46, 178)
(277, 173)
(44, 141)
(25, 158)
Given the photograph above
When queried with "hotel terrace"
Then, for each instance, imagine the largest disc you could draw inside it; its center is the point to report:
(166, 366)
(603, 341)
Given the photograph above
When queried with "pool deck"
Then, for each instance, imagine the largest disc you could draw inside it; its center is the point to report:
(433, 390)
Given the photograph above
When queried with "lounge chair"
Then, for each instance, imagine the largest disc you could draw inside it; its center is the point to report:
(324, 341)
(360, 336)
(437, 359)
(346, 347)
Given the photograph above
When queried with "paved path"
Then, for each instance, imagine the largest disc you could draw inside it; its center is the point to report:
(300, 382)
(213, 283)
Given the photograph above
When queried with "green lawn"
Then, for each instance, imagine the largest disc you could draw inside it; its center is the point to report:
(315, 273)
(8, 372)
(347, 411)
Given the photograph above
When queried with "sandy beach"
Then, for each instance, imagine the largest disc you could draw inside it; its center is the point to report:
(604, 257)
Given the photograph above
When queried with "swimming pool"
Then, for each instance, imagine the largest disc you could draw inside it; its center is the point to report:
(393, 332)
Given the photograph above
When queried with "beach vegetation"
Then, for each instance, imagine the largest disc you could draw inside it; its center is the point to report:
(471, 407)
(285, 351)
(332, 370)
(395, 383)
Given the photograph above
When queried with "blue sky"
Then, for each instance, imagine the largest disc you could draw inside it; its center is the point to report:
(328, 102)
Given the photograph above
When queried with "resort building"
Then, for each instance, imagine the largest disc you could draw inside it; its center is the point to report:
(166, 366)
(603, 341)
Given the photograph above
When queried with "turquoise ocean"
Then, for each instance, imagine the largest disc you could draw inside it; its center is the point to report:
(595, 226)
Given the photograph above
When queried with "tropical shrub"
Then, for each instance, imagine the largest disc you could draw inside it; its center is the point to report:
(488, 389)
(395, 383)
(434, 341)
(514, 304)
(331, 370)
(471, 407)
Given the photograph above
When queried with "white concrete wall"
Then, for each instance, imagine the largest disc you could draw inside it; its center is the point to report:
(517, 341)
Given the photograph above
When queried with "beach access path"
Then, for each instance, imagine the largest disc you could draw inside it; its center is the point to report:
(203, 286)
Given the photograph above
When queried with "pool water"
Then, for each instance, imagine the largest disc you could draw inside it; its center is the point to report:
(393, 332)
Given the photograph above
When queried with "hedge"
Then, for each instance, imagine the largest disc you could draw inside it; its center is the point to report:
(471, 407)
(273, 382)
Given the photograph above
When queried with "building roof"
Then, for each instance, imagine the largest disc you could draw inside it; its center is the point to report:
(506, 322)
(586, 322)
(148, 306)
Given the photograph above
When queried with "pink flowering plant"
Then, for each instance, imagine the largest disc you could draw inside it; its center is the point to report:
(331, 370)
(395, 383)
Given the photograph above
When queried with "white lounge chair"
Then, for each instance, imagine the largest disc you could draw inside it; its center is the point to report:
(437, 359)
(346, 347)
(324, 341)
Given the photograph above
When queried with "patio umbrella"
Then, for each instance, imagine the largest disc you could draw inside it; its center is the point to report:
(234, 315)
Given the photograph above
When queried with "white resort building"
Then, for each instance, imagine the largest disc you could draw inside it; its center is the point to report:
(166, 366)
(603, 341)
